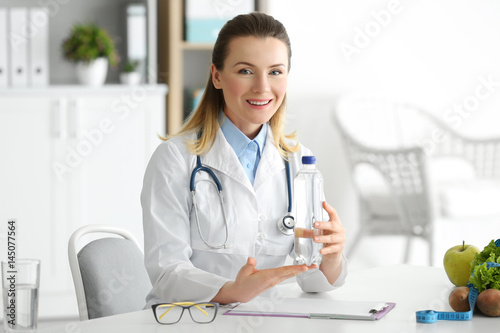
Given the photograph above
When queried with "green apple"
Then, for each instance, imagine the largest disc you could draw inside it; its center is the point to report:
(457, 263)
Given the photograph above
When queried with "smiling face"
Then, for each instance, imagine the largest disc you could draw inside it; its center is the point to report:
(253, 81)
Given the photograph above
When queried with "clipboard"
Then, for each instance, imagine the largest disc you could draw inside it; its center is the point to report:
(312, 308)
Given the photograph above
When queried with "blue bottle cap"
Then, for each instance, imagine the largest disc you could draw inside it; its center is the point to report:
(308, 160)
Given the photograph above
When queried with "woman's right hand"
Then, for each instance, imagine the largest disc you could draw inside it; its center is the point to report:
(250, 281)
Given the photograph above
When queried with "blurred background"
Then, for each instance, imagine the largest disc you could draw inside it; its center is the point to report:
(435, 55)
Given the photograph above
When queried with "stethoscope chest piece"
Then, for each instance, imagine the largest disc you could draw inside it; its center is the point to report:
(286, 225)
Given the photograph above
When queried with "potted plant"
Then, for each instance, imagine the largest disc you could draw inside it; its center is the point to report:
(130, 75)
(91, 49)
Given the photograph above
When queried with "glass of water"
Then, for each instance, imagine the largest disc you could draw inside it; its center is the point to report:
(20, 283)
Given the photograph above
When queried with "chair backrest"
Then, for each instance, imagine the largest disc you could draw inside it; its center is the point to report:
(108, 273)
(382, 123)
(383, 139)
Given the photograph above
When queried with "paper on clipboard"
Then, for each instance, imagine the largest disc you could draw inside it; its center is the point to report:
(311, 308)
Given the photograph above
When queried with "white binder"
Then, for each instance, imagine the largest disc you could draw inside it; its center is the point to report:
(18, 47)
(137, 36)
(4, 80)
(136, 31)
(38, 60)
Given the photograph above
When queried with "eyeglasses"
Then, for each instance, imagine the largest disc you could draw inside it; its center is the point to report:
(171, 313)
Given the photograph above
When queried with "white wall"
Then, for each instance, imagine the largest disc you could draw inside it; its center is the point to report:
(428, 51)
(433, 53)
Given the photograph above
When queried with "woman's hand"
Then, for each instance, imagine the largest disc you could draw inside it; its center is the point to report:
(333, 239)
(250, 281)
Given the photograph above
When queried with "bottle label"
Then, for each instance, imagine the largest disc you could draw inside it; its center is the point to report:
(306, 233)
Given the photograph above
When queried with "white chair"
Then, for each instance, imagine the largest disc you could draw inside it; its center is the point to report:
(108, 273)
(417, 176)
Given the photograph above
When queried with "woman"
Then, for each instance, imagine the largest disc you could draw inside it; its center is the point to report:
(204, 252)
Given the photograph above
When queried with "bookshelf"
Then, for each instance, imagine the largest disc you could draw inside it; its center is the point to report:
(63, 14)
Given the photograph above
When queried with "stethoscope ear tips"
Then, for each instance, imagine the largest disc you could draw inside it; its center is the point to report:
(286, 225)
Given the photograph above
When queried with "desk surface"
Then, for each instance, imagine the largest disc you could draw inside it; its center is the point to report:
(413, 288)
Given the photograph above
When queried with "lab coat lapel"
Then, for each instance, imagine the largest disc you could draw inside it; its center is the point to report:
(270, 163)
(223, 159)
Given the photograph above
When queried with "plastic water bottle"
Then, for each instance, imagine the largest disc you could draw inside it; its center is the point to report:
(308, 188)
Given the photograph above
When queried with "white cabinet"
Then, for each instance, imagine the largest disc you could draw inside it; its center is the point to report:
(72, 156)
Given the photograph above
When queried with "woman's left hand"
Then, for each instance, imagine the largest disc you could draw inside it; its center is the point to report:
(333, 239)
(333, 233)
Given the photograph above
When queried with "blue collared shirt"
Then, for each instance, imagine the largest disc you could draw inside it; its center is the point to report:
(248, 151)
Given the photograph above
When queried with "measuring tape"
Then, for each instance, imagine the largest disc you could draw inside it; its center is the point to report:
(431, 316)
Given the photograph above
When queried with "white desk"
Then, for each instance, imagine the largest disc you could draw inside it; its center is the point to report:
(411, 287)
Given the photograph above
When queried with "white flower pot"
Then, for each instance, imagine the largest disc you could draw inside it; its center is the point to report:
(132, 78)
(92, 73)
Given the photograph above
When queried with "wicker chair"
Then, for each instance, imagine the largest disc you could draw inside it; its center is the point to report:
(390, 147)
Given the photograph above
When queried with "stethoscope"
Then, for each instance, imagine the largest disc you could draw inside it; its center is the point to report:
(284, 224)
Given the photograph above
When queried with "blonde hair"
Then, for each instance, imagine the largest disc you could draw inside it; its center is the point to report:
(205, 118)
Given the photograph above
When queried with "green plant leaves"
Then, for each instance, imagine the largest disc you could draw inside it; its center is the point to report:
(483, 278)
(88, 42)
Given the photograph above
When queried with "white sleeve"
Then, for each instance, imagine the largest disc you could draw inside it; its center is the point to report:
(166, 205)
(315, 281)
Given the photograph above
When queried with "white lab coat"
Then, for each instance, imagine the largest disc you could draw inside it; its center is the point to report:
(181, 267)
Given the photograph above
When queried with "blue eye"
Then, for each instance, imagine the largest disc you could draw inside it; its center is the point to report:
(275, 72)
(244, 71)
